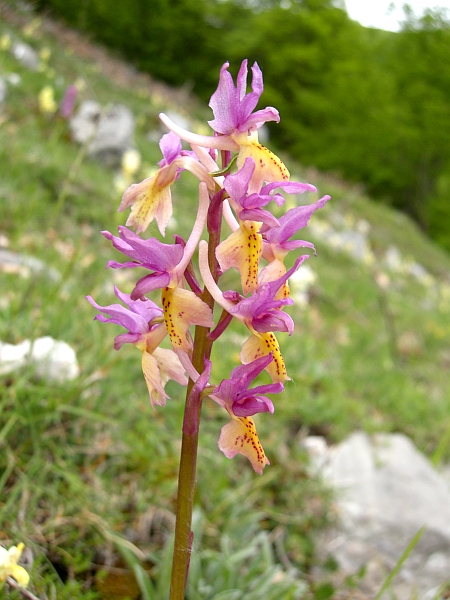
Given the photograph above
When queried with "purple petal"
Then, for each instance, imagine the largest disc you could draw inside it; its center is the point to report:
(275, 321)
(245, 402)
(275, 285)
(151, 253)
(119, 315)
(262, 309)
(291, 187)
(257, 80)
(233, 108)
(232, 295)
(292, 221)
(147, 309)
(297, 244)
(154, 281)
(241, 377)
(247, 120)
(262, 301)
(190, 153)
(113, 264)
(259, 214)
(125, 338)
(258, 200)
(224, 104)
(248, 103)
(257, 119)
(118, 244)
(237, 184)
(225, 390)
(252, 406)
(268, 388)
(242, 80)
(251, 370)
(259, 303)
(170, 145)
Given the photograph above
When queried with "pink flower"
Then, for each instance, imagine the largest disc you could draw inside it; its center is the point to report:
(146, 330)
(237, 125)
(233, 108)
(67, 105)
(243, 248)
(277, 238)
(260, 312)
(182, 308)
(152, 198)
(235, 394)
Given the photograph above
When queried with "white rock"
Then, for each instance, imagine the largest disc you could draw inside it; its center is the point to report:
(54, 360)
(386, 490)
(84, 124)
(12, 356)
(303, 278)
(51, 359)
(355, 243)
(26, 55)
(108, 133)
(300, 283)
(13, 79)
(23, 264)
(317, 449)
(393, 259)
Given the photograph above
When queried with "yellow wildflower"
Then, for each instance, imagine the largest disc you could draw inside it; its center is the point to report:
(47, 102)
(10, 568)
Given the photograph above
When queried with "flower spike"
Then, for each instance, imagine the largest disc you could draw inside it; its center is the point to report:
(239, 179)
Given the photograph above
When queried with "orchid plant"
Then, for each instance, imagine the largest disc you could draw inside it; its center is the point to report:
(238, 178)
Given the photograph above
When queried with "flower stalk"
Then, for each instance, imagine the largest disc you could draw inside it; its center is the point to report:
(187, 477)
(188, 468)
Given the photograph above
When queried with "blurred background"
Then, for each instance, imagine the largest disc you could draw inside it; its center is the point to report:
(369, 104)
(88, 469)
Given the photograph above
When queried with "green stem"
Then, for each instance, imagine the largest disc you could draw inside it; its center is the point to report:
(189, 445)
(186, 478)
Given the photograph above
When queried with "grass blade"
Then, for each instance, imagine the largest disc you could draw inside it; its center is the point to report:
(409, 548)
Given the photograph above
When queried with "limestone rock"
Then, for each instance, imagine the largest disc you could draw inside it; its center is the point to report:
(24, 265)
(26, 55)
(386, 490)
(108, 133)
(51, 359)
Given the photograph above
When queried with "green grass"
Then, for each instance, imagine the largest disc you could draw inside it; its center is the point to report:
(88, 464)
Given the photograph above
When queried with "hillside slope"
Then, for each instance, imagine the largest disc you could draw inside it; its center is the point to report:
(88, 463)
